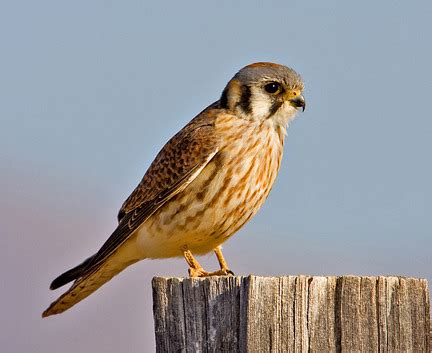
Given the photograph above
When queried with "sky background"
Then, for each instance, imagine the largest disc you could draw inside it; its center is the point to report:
(91, 90)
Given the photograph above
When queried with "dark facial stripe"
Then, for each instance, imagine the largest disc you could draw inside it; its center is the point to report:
(245, 103)
(224, 99)
(274, 108)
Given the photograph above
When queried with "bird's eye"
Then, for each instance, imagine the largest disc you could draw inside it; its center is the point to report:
(272, 87)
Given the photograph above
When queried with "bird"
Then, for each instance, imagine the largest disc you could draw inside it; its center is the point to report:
(205, 184)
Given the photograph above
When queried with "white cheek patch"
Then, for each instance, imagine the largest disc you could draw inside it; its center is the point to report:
(260, 104)
(284, 115)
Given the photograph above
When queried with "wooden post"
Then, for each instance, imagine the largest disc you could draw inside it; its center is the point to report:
(291, 314)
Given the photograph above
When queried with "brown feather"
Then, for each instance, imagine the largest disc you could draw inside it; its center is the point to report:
(176, 165)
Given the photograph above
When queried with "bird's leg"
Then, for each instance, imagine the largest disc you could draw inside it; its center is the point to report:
(195, 269)
(224, 269)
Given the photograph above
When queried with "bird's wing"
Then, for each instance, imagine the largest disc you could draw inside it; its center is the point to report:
(174, 168)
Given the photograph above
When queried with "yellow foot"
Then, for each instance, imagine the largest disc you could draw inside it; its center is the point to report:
(200, 272)
(195, 269)
(223, 272)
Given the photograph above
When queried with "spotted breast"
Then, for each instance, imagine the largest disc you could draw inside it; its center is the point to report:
(226, 194)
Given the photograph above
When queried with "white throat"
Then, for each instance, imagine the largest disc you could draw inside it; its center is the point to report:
(261, 105)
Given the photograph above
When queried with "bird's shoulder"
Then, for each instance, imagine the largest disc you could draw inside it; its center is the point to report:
(186, 150)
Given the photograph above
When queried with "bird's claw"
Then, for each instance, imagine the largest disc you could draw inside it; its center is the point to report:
(197, 272)
(200, 272)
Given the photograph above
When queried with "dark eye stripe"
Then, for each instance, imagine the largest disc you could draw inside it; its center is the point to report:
(245, 97)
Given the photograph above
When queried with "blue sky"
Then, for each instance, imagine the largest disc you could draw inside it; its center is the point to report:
(90, 91)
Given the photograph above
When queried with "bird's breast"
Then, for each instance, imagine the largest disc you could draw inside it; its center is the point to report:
(224, 196)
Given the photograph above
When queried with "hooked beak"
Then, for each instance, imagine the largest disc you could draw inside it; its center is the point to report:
(298, 102)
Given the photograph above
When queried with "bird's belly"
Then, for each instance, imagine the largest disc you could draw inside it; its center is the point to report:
(187, 222)
(226, 194)
(200, 229)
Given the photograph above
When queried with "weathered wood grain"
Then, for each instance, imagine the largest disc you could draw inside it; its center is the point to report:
(291, 314)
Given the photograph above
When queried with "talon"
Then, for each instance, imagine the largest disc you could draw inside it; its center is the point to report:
(197, 272)
(224, 270)
(230, 273)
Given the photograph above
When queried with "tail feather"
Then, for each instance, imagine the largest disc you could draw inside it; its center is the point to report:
(86, 283)
(85, 286)
(70, 275)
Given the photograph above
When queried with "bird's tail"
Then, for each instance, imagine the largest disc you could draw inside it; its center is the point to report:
(70, 275)
(86, 284)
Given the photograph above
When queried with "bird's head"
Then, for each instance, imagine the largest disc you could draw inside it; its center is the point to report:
(264, 91)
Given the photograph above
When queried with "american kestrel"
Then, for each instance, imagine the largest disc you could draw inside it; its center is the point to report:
(203, 186)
